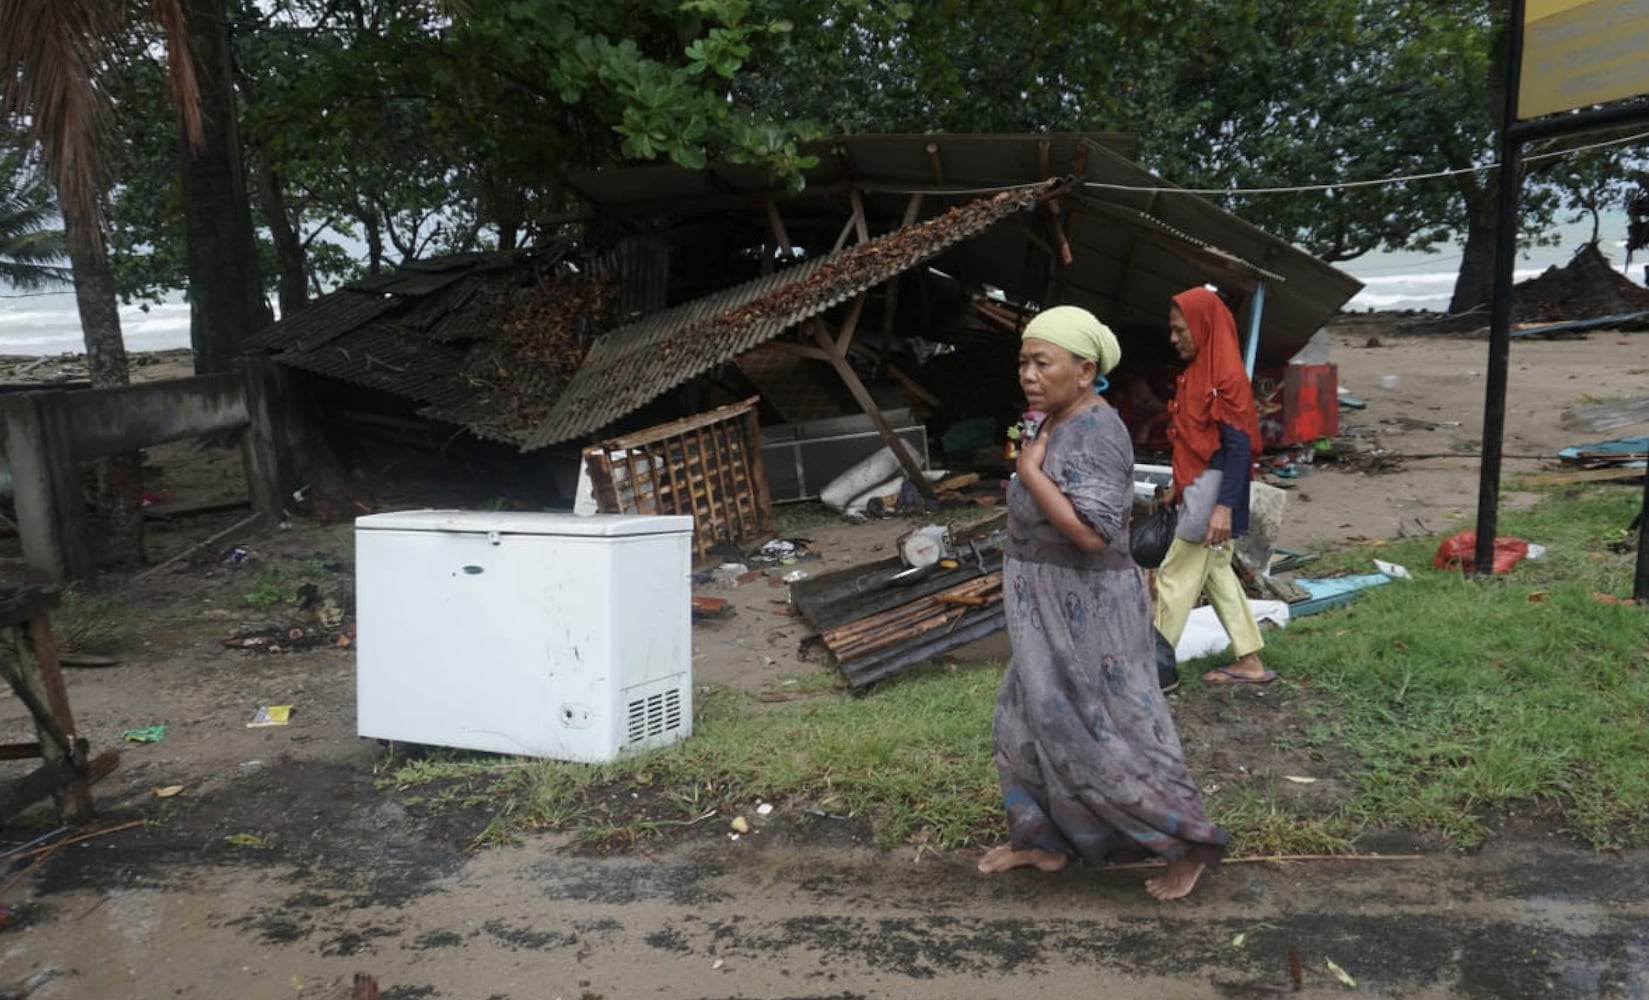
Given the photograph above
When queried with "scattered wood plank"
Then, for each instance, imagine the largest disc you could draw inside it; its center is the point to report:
(238, 526)
(165, 511)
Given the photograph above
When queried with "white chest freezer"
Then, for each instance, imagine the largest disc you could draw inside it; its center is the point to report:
(546, 635)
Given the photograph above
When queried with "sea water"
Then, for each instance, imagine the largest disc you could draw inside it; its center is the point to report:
(1425, 281)
(48, 324)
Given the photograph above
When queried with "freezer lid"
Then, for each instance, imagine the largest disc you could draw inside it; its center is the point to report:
(515, 522)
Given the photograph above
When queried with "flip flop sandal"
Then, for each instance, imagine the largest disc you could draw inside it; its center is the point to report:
(1225, 675)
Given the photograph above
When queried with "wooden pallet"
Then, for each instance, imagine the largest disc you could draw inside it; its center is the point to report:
(708, 466)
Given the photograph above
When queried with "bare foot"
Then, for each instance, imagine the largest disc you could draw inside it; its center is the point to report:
(1003, 857)
(1177, 882)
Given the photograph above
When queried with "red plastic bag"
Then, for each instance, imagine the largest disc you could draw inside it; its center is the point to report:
(1459, 552)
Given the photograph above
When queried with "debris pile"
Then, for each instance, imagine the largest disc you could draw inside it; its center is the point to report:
(543, 331)
(879, 618)
(1585, 288)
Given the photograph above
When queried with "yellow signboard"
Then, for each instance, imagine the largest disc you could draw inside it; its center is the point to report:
(1577, 53)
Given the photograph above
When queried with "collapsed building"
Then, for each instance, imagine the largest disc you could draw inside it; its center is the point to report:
(881, 302)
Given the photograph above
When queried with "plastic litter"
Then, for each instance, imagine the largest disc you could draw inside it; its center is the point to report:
(1460, 552)
(271, 715)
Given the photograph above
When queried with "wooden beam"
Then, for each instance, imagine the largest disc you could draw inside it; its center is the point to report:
(912, 386)
(934, 162)
(890, 297)
(19, 751)
(28, 658)
(841, 238)
(861, 395)
(913, 208)
(859, 227)
(801, 350)
(1043, 166)
(1058, 227)
(775, 223)
(850, 324)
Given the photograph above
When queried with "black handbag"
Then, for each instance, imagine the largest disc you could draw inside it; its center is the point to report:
(1150, 536)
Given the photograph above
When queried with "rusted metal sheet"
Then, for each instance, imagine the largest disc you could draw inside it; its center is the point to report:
(631, 366)
(708, 466)
(876, 620)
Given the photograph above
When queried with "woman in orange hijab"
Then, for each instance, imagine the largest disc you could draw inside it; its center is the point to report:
(1216, 434)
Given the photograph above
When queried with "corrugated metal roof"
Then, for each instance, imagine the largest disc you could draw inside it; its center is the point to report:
(891, 163)
(420, 332)
(1126, 270)
(1133, 250)
(425, 331)
(631, 366)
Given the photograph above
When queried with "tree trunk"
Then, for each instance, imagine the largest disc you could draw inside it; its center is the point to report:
(1475, 282)
(289, 256)
(223, 260)
(120, 477)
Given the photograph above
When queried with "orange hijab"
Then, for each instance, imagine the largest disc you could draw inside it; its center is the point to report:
(1213, 389)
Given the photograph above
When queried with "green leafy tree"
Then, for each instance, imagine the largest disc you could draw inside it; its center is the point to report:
(1246, 94)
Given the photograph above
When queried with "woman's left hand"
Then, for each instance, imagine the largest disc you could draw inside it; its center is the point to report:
(1031, 454)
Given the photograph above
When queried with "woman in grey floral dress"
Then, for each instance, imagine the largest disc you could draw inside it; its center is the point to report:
(1089, 759)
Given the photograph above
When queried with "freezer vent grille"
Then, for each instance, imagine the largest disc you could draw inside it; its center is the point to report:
(654, 715)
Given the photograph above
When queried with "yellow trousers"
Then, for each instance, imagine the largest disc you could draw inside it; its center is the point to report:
(1191, 569)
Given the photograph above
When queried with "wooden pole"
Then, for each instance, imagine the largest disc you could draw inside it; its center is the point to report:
(838, 360)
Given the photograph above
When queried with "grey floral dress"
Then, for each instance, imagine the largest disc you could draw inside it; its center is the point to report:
(1085, 746)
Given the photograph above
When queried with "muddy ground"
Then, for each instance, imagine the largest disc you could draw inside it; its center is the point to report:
(288, 863)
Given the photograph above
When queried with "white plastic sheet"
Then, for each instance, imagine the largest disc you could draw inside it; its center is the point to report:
(1204, 634)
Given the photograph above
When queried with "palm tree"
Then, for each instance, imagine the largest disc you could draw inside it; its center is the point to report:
(51, 56)
(31, 249)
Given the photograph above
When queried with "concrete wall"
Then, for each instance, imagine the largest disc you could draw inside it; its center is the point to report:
(47, 435)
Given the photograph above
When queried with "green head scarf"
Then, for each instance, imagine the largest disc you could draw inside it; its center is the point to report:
(1078, 331)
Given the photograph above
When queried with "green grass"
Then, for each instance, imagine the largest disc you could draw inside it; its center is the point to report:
(1463, 698)
(1444, 703)
(86, 621)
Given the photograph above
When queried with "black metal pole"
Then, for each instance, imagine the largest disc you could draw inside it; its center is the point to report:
(1500, 306)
